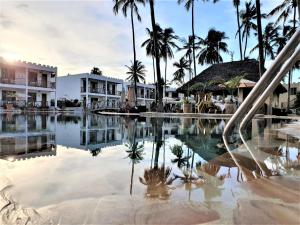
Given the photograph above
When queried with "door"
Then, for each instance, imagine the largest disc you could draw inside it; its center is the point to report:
(44, 100)
(44, 80)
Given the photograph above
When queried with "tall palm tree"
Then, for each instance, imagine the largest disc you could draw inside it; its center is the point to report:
(270, 40)
(136, 74)
(182, 66)
(285, 9)
(157, 57)
(168, 43)
(150, 50)
(248, 15)
(212, 46)
(131, 5)
(190, 4)
(236, 4)
(149, 46)
(260, 39)
(187, 46)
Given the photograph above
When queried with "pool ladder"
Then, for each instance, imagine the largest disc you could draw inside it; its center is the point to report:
(284, 62)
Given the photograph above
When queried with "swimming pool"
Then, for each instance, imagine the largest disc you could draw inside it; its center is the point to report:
(91, 169)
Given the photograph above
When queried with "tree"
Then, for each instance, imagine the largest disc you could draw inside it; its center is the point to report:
(136, 74)
(131, 5)
(270, 40)
(187, 46)
(236, 4)
(157, 57)
(260, 39)
(149, 45)
(150, 50)
(190, 4)
(96, 71)
(285, 9)
(211, 47)
(168, 43)
(247, 17)
(181, 66)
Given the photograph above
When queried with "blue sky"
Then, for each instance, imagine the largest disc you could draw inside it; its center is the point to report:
(77, 35)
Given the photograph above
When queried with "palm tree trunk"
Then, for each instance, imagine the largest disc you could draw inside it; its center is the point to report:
(246, 42)
(154, 75)
(157, 59)
(131, 179)
(193, 33)
(240, 39)
(289, 90)
(134, 54)
(158, 131)
(260, 39)
(166, 64)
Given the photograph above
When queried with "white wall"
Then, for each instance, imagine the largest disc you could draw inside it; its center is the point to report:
(68, 87)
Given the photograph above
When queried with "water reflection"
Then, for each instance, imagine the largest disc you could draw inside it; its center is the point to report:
(165, 159)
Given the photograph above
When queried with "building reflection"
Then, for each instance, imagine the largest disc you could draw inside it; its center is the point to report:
(27, 136)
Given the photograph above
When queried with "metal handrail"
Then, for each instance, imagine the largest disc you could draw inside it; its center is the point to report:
(264, 84)
(270, 89)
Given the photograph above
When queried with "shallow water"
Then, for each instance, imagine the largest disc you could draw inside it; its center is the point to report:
(76, 169)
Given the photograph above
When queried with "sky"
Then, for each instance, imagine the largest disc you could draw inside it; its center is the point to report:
(78, 35)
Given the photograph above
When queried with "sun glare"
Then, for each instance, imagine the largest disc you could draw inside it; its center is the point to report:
(11, 56)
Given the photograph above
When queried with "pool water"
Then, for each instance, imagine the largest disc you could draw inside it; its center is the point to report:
(92, 169)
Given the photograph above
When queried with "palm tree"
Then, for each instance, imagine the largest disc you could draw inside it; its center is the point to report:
(190, 4)
(247, 17)
(149, 45)
(285, 9)
(168, 38)
(270, 40)
(187, 46)
(125, 5)
(212, 46)
(150, 50)
(136, 74)
(236, 4)
(157, 57)
(181, 66)
(260, 39)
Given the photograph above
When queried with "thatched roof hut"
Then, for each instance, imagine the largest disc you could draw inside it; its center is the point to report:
(249, 69)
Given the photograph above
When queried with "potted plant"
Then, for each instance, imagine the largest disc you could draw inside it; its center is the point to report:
(187, 106)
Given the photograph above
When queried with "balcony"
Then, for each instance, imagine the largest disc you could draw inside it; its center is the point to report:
(97, 90)
(12, 81)
(112, 92)
(51, 85)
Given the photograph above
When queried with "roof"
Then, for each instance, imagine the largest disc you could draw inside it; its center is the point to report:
(226, 71)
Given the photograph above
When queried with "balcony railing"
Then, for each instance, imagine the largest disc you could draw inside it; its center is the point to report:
(22, 104)
(12, 81)
(42, 84)
(97, 90)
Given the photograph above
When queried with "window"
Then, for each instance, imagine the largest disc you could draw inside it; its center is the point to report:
(293, 91)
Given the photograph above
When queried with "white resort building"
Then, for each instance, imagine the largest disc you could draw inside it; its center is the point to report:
(97, 91)
(27, 85)
(93, 90)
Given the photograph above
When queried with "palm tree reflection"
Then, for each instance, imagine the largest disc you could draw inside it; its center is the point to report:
(180, 160)
(157, 179)
(135, 150)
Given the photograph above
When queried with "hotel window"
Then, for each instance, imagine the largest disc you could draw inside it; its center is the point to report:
(293, 91)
